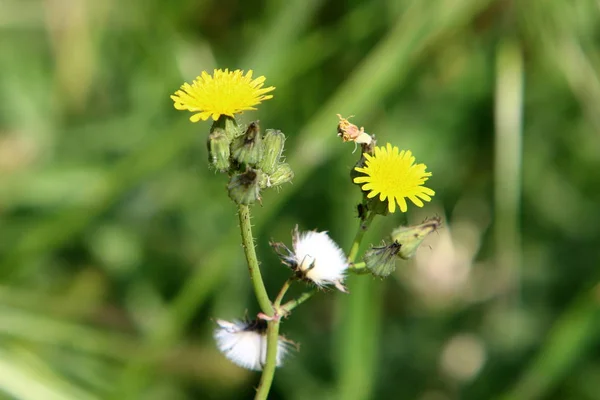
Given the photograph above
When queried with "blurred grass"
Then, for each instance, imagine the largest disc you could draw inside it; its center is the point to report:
(116, 249)
(571, 336)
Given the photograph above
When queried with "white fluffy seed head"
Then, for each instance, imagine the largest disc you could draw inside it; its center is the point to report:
(245, 343)
(320, 259)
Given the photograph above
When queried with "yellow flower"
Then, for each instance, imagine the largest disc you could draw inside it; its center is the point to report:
(223, 93)
(395, 177)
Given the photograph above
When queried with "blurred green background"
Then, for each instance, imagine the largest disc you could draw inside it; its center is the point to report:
(118, 245)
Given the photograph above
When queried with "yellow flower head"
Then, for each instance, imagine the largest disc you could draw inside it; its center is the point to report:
(223, 93)
(394, 176)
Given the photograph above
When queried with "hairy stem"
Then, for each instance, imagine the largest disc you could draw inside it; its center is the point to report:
(262, 297)
(248, 242)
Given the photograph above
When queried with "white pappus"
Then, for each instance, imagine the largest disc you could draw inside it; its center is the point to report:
(245, 343)
(315, 257)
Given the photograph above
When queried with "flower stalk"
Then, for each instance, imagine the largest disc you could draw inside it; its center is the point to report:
(262, 297)
(268, 373)
(290, 305)
(282, 292)
(266, 379)
(359, 268)
(360, 233)
(248, 243)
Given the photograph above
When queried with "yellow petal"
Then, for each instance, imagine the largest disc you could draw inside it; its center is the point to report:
(222, 93)
(402, 204)
(391, 205)
(416, 200)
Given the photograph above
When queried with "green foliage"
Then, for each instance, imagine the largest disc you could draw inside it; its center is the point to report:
(118, 245)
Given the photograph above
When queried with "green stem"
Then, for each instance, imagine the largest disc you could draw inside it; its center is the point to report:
(358, 268)
(358, 330)
(267, 308)
(290, 305)
(362, 229)
(266, 378)
(281, 293)
(248, 242)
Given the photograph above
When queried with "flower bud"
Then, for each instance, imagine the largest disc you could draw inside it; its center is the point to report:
(244, 187)
(218, 149)
(273, 142)
(381, 261)
(227, 125)
(283, 174)
(248, 149)
(411, 237)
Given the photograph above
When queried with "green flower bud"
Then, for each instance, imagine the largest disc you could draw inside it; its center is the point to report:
(218, 149)
(411, 237)
(227, 125)
(381, 261)
(273, 142)
(283, 174)
(248, 149)
(244, 188)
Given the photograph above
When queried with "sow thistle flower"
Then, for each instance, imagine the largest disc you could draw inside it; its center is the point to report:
(394, 176)
(245, 343)
(222, 93)
(315, 257)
